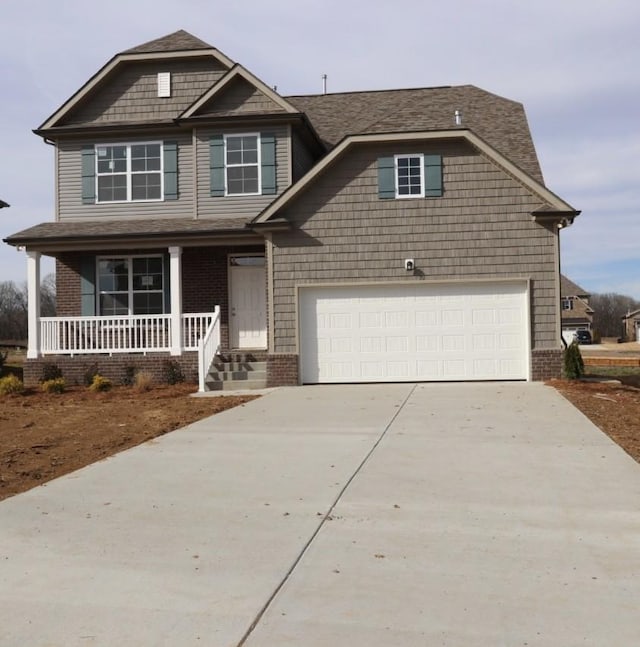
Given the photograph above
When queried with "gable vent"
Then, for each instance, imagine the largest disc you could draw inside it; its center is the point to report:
(164, 84)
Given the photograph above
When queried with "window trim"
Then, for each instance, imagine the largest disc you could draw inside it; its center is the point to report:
(130, 291)
(405, 196)
(257, 164)
(129, 173)
(568, 302)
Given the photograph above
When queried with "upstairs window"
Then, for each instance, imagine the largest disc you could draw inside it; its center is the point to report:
(242, 157)
(567, 304)
(130, 285)
(412, 175)
(129, 172)
(409, 176)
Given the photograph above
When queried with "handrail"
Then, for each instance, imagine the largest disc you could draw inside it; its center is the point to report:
(208, 347)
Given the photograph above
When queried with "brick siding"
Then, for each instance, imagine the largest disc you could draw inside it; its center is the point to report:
(282, 370)
(546, 364)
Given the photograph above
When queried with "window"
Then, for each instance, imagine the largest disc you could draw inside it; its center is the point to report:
(129, 172)
(567, 304)
(413, 175)
(130, 285)
(242, 161)
(409, 176)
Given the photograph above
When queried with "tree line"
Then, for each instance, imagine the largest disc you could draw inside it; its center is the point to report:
(13, 308)
(608, 310)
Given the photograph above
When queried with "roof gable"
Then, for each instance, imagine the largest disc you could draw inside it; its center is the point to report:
(570, 289)
(238, 92)
(537, 188)
(177, 47)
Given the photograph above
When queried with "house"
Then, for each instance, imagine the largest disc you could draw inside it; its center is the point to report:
(577, 314)
(202, 218)
(631, 326)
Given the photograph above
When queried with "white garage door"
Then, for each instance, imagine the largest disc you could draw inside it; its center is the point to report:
(406, 333)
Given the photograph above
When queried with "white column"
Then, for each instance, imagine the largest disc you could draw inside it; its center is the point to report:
(33, 301)
(175, 268)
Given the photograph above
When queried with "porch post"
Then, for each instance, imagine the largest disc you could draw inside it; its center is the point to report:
(33, 304)
(175, 270)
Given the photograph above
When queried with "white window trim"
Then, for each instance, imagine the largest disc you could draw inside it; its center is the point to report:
(130, 291)
(403, 196)
(258, 165)
(129, 173)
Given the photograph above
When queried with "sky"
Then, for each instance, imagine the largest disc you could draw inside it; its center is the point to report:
(572, 63)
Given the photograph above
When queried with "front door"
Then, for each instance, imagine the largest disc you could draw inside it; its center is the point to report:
(248, 302)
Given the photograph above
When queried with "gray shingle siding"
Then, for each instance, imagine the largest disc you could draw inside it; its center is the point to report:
(132, 94)
(70, 204)
(240, 98)
(481, 228)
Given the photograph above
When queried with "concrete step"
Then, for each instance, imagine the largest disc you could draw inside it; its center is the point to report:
(238, 366)
(223, 376)
(235, 385)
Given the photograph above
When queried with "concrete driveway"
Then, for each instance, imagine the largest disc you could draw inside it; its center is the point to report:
(436, 514)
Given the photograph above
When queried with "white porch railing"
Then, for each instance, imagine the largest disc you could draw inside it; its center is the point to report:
(207, 349)
(126, 334)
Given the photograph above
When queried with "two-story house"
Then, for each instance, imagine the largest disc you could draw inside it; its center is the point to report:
(398, 235)
(577, 314)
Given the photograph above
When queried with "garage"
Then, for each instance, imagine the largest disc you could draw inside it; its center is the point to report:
(414, 332)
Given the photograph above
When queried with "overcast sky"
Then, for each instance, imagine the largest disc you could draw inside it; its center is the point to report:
(573, 63)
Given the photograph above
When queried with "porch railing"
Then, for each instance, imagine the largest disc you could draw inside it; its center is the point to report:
(209, 346)
(120, 334)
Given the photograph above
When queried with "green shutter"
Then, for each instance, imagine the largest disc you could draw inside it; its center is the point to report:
(88, 286)
(268, 163)
(166, 282)
(170, 154)
(88, 174)
(433, 176)
(386, 177)
(216, 164)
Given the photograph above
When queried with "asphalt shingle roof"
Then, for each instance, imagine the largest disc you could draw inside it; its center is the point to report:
(570, 289)
(178, 41)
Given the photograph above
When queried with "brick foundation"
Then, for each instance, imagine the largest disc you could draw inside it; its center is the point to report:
(114, 367)
(546, 364)
(282, 370)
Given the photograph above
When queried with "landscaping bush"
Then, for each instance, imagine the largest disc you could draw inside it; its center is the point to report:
(100, 383)
(50, 372)
(54, 386)
(129, 377)
(573, 364)
(90, 373)
(172, 372)
(11, 384)
(143, 381)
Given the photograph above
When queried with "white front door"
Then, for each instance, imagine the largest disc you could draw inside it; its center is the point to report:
(248, 302)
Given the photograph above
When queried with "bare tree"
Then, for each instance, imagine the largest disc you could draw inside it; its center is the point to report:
(13, 307)
(608, 310)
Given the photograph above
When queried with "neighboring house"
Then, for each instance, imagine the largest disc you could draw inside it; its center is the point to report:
(577, 314)
(398, 235)
(4, 204)
(631, 326)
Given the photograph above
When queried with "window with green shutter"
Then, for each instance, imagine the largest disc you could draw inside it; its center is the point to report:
(414, 175)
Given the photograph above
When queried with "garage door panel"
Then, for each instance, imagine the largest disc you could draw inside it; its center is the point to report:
(417, 332)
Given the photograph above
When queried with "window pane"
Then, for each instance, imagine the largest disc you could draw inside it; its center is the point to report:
(113, 275)
(112, 188)
(147, 303)
(145, 186)
(114, 304)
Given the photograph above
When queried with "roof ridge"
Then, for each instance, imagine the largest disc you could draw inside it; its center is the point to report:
(176, 41)
(334, 94)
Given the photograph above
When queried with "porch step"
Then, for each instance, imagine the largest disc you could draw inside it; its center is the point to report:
(236, 372)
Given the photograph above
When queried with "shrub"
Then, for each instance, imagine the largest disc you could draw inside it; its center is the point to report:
(11, 384)
(90, 373)
(573, 364)
(50, 372)
(54, 386)
(129, 375)
(143, 381)
(100, 383)
(172, 372)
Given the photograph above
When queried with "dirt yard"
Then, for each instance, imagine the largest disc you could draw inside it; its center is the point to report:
(43, 436)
